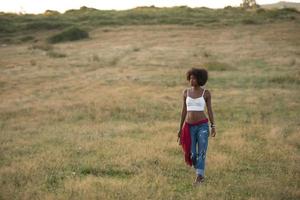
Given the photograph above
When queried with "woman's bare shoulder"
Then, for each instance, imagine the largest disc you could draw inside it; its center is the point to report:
(207, 93)
(184, 92)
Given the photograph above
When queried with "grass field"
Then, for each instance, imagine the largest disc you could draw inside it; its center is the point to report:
(98, 118)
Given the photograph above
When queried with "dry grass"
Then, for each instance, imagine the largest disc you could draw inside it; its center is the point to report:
(101, 122)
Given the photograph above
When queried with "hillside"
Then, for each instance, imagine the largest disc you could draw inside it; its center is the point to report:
(281, 5)
(19, 28)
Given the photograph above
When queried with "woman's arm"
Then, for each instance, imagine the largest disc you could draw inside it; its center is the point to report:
(183, 112)
(210, 113)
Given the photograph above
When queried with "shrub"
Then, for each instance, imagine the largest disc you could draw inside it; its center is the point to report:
(7, 26)
(54, 54)
(51, 12)
(249, 21)
(45, 25)
(70, 34)
(260, 10)
(26, 38)
(289, 10)
(281, 14)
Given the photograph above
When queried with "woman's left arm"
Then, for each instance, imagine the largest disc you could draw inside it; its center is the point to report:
(210, 113)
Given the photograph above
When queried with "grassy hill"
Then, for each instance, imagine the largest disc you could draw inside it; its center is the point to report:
(98, 118)
(23, 26)
(282, 5)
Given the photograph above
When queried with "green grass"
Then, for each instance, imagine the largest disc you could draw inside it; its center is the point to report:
(218, 66)
(70, 34)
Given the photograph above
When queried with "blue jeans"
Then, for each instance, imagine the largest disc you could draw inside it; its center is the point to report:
(199, 142)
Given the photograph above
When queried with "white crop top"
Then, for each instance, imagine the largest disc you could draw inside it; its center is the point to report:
(197, 104)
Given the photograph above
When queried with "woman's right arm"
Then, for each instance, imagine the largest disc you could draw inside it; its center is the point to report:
(183, 112)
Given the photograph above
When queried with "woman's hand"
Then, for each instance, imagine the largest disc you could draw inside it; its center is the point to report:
(178, 137)
(213, 132)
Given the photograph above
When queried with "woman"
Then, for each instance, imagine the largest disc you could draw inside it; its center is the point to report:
(194, 130)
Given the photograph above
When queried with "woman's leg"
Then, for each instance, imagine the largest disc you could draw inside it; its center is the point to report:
(202, 139)
(193, 132)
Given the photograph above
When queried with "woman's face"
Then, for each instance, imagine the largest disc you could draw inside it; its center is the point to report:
(193, 81)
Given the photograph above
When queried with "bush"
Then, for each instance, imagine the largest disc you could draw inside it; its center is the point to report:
(45, 25)
(260, 10)
(70, 34)
(7, 26)
(54, 54)
(249, 21)
(51, 12)
(289, 10)
(26, 38)
(282, 14)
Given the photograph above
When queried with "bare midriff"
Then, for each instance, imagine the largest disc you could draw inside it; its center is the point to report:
(194, 116)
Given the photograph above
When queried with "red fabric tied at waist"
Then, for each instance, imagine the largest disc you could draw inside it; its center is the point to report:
(185, 140)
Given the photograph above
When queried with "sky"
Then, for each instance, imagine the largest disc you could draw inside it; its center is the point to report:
(39, 6)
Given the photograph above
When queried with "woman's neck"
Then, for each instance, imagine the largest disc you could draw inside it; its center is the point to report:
(196, 87)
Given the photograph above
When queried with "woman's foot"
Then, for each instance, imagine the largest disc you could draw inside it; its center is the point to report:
(199, 179)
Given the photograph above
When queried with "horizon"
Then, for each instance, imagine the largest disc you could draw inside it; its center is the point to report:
(31, 7)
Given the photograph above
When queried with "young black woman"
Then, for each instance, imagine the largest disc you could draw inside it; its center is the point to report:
(194, 129)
